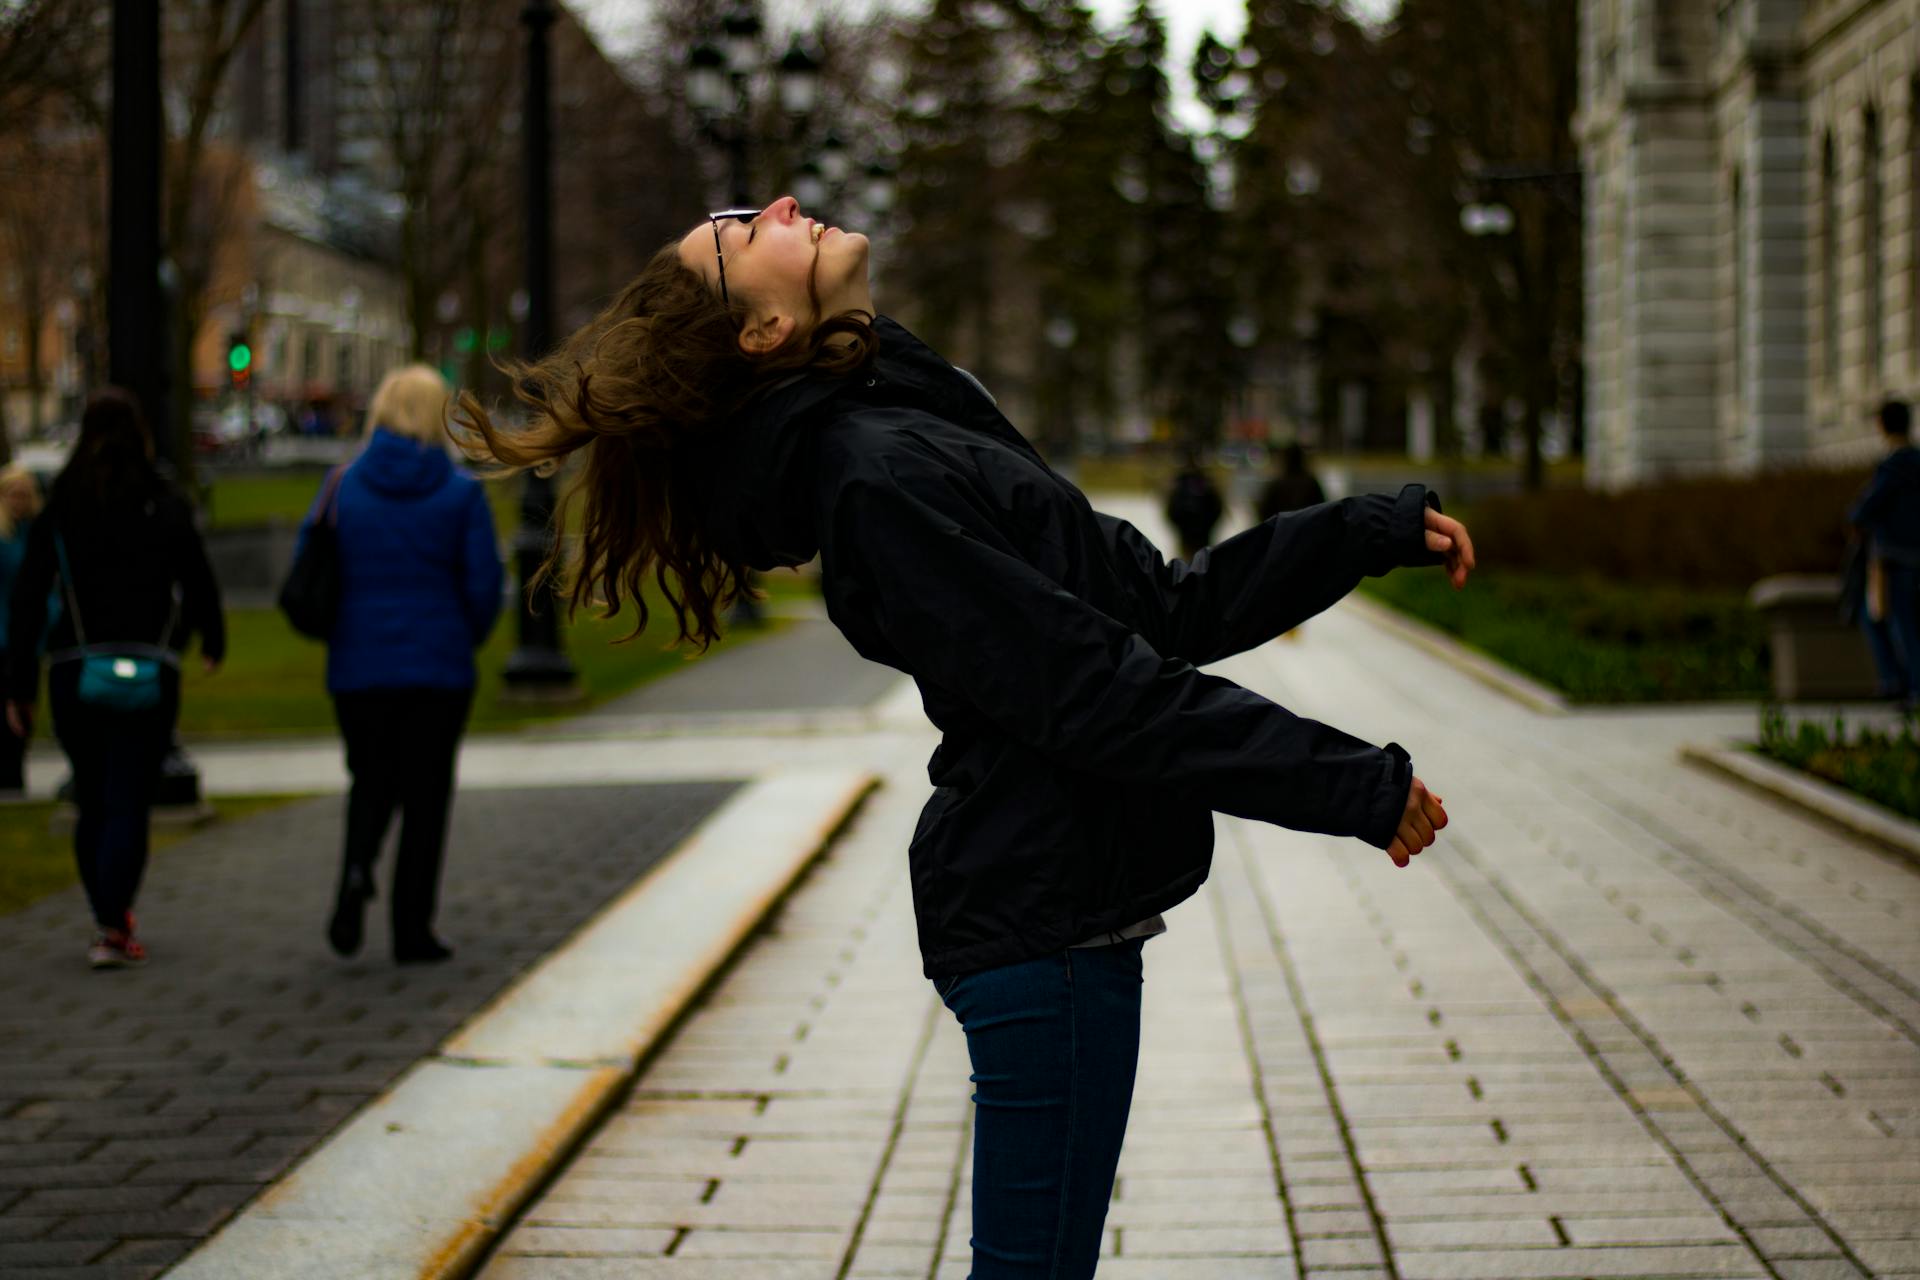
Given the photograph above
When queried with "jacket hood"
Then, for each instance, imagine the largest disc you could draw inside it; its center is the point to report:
(401, 467)
(758, 472)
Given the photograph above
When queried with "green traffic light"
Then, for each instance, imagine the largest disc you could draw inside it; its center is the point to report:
(239, 356)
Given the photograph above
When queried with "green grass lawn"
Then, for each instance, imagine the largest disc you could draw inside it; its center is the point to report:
(1593, 640)
(35, 861)
(274, 679)
(240, 498)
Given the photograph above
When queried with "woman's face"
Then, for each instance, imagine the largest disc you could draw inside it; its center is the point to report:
(768, 262)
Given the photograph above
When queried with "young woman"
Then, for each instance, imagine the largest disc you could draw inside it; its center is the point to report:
(120, 547)
(740, 407)
(420, 587)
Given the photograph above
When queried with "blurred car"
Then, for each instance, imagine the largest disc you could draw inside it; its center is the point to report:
(225, 429)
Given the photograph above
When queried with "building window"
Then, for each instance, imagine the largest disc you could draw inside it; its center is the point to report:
(1829, 268)
(1872, 250)
(1739, 255)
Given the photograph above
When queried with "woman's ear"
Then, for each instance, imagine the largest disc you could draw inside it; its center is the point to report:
(764, 333)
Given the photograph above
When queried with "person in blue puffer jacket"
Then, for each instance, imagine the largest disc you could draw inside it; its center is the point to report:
(420, 588)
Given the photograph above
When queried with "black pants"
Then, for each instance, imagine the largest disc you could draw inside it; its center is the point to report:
(13, 749)
(401, 746)
(116, 759)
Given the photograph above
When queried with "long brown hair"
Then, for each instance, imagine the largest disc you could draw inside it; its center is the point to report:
(632, 392)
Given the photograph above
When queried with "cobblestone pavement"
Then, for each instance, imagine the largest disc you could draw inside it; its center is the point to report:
(1625, 1020)
(139, 1110)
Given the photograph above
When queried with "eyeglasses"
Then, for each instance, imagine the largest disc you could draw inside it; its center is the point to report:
(742, 216)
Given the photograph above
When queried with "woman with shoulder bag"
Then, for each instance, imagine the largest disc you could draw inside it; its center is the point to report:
(419, 587)
(120, 547)
(739, 406)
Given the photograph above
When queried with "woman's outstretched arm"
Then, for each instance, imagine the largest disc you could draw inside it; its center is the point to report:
(965, 613)
(1245, 591)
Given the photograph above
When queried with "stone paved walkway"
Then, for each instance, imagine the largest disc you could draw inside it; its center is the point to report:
(139, 1110)
(1625, 1020)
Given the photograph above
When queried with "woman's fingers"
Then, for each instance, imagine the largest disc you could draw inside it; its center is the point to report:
(1438, 542)
(1421, 829)
(1398, 852)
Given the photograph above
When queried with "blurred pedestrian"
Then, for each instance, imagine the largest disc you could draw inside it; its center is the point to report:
(19, 504)
(1194, 506)
(1887, 515)
(1293, 488)
(420, 588)
(740, 405)
(135, 584)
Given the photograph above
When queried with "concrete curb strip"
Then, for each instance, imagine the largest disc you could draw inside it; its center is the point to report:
(1494, 674)
(417, 1185)
(1822, 799)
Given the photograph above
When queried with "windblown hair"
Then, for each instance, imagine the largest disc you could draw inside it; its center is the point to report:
(111, 466)
(634, 393)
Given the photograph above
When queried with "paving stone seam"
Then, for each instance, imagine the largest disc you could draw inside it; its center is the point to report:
(1492, 885)
(954, 1183)
(1296, 992)
(893, 1141)
(1244, 1018)
(1762, 910)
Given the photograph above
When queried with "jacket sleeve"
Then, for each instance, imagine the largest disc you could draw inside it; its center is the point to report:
(200, 607)
(484, 575)
(966, 613)
(1870, 508)
(1258, 584)
(27, 613)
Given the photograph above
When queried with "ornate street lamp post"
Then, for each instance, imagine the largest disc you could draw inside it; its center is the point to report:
(538, 667)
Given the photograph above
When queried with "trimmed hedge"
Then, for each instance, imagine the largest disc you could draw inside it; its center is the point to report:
(1725, 533)
(1879, 766)
(1596, 640)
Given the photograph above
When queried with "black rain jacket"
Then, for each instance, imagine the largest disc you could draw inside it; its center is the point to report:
(1083, 754)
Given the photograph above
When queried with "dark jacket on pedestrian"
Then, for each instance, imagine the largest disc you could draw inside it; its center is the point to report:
(1289, 491)
(1083, 753)
(140, 577)
(420, 571)
(1194, 506)
(1889, 507)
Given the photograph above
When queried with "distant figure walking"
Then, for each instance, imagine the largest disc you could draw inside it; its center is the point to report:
(1294, 489)
(420, 584)
(19, 504)
(1194, 507)
(135, 584)
(1887, 514)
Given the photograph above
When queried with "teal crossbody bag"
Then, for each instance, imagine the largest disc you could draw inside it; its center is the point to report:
(119, 677)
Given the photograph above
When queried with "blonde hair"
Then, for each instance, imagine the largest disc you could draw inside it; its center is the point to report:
(412, 401)
(11, 476)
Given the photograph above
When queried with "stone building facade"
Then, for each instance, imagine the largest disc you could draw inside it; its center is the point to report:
(1752, 230)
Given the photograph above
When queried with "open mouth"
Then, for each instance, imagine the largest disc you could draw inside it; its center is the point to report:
(818, 231)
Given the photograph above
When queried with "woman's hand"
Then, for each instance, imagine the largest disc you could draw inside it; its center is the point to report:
(20, 719)
(1425, 814)
(1449, 537)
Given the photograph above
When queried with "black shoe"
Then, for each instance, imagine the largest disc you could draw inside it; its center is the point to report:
(425, 949)
(344, 931)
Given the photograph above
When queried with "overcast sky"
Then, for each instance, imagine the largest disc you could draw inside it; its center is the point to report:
(620, 25)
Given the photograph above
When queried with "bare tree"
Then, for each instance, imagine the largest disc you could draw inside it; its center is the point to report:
(439, 65)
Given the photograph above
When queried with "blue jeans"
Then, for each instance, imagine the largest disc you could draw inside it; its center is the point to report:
(1054, 1044)
(1895, 640)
